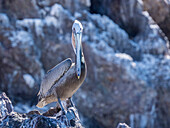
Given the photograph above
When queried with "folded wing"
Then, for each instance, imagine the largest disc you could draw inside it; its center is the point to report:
(53, 75)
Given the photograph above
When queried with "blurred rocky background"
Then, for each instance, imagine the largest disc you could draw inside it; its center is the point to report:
(126, 46)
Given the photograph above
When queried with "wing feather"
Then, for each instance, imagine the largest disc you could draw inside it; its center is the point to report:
(53, 75)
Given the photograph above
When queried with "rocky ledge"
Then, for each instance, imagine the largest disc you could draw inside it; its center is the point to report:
(53, 118)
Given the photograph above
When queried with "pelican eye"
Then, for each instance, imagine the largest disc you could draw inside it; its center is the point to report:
(74, 30)
(39, 98)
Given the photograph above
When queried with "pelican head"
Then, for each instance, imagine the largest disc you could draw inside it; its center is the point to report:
(77, 30)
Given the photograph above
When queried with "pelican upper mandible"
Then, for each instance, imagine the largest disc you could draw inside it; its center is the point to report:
(62, 81)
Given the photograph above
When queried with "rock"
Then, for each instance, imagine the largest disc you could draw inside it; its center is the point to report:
(19, 9)
(75, 5)
(56, 119)
(138, 24)
(125, 50)
(19, 59)
(53, 118)
(160, 12)
(4, 20)
(162, 105)
(5, 105)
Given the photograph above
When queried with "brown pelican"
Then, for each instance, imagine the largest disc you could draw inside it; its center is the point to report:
(62, 81)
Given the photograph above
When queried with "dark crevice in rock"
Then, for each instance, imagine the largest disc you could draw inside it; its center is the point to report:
(113, 9)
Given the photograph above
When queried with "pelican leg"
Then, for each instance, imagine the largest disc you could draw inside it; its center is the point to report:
(62, 108)
(72, 104)
(72, 110)
(68, 115)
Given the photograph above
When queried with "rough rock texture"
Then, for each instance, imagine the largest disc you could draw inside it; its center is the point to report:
(5, 105)
(19, 9)
(160, 12)
(138, 24)
(53, 118)
(126, 52)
